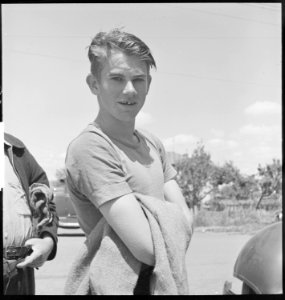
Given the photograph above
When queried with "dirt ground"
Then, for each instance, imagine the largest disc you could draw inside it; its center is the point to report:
(210, 260)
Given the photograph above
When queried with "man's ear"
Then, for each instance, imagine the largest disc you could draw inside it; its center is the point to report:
(149, 82)
(93, 84)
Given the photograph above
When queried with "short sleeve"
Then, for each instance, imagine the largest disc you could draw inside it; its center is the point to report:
(168, 170)
(95, 169)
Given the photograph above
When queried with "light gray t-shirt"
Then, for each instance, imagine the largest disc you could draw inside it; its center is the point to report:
(100, 169)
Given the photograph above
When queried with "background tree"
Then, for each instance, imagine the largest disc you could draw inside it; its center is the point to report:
(237, 186)
(194, 174)
(270, 179)
(225, 174)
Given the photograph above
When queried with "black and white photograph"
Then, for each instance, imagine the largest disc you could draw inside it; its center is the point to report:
(142, 148)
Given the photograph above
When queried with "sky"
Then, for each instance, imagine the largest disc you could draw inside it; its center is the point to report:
(218, 77)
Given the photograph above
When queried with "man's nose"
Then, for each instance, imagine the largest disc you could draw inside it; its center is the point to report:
(129, 88)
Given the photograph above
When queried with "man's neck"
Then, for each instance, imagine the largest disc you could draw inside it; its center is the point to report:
(119, 130)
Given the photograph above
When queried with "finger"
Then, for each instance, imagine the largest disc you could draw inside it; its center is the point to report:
(32, 261)
(26, 262)
(35, 263)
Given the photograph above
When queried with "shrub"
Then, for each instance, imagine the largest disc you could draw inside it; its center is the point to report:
(237, 217)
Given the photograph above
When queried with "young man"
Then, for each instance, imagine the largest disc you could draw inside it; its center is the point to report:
(110, 159)
(29, 219)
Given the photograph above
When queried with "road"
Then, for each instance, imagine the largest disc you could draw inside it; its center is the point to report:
(210, 260)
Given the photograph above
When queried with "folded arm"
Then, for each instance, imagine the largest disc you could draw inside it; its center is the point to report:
(126, 217)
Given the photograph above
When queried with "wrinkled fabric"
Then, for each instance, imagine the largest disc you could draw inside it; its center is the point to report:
(40, 197)
(105, 266)
(17, 211)
(29, 172)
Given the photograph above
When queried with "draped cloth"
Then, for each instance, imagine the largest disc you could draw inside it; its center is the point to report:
(105, 266)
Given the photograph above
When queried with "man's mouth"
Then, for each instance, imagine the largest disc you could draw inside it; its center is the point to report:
(127, 103)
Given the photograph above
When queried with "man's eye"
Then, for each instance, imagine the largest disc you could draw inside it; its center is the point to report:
(139, 79)
(117, 78)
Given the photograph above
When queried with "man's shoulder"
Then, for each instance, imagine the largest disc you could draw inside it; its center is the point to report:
(90, 138)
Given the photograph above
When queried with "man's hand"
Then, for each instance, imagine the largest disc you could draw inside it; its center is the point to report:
(41, 251)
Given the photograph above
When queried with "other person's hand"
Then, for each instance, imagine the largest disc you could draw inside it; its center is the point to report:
(42, 248)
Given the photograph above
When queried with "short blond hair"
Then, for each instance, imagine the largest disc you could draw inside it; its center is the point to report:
(128, 43)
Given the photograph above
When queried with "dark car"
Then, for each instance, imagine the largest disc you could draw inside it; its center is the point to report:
(64, 207)
(259, 263)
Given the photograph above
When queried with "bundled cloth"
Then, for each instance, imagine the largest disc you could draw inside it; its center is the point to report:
(40, 197)
(105, 266)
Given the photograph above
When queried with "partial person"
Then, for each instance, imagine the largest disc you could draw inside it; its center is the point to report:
(119, 175)
(30, 221)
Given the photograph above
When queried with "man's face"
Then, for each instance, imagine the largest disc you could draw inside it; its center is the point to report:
(123, 86)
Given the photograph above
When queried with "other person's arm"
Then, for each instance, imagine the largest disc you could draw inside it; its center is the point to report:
(38, 175)
(44, 247)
